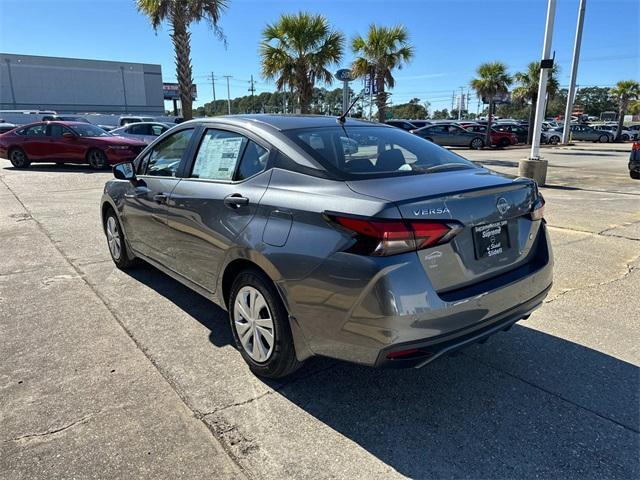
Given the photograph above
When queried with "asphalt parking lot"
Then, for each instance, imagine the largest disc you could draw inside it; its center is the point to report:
(105, 374)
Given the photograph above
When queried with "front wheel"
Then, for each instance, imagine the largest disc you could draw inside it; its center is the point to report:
(603, 139)
(260, 326)
(18, 158)
(625, 137)
(503, 143)
(635, 175)
(97, 159)
(477, 144)
(554, 140)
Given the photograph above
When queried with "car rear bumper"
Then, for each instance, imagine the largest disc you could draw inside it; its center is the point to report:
(362, 313)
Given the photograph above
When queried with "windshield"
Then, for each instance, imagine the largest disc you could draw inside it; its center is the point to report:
(89, 130)
(379, 151)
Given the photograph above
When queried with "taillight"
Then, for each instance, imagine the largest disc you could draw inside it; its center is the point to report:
(380, 237)
(537, 210)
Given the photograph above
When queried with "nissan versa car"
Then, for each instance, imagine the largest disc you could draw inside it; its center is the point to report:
(389, 254)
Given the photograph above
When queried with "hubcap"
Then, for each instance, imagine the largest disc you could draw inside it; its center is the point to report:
(17, 156)
(253, 324)
(95, 159)
(113, 238)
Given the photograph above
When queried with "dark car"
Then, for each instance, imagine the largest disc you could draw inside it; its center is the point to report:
(388, 254)
(420, 123)
(519, 130)
(451, 135)
(634, 161)
(64, 118)
(66, 142)
(403, 124)
(498, 138)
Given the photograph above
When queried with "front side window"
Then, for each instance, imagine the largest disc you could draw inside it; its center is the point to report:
(157, 130)
(56, 130)
(374, 150)
(138, 129)
(164, 159)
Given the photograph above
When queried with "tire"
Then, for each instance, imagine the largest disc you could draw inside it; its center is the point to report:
(503, 143)
(554, 140)
(275, 359)
(476, 144)
(624, 137)
(635, 175)
(116, 242)
(97, 159)
(603, 139)
(18, 158)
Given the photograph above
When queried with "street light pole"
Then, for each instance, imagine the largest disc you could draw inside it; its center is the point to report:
(574, 73)
(534, 167)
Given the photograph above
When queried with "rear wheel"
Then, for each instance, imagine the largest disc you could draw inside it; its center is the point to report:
(116, 242)
(260, 326)
(625, 137)
(18, 158)
(476, 144)
(503, 143)
(603, 139)
(97, 159)
(554, 140)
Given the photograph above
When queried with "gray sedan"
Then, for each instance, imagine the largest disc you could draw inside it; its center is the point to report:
(587, 133)
(451, 135)
(146, 132)
(390, 254)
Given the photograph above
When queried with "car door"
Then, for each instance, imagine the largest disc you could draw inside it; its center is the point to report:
(210, 208)
(144, 214)
(458, 136)
(438, 134)
(63, 148)
(36, 144)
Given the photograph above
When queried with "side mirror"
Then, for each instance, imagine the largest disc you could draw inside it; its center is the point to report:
(124, 171)
(68, 135)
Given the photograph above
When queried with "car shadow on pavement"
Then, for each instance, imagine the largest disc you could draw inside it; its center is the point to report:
(197, 306)
(526, 404)
(54, 167)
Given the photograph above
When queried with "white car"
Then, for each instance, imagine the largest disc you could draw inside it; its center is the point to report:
(143, 131)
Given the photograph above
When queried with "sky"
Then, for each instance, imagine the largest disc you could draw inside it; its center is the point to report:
(451, 38)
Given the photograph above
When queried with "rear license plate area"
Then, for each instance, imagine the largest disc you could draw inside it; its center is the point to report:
(491, 239)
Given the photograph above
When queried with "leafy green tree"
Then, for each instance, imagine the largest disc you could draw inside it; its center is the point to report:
(380, 52)
(527, 89)
(180, 14)
(625, 92)
(297, 51)
(492, 80)
(411, 110)
(595, 100)
(440, 114)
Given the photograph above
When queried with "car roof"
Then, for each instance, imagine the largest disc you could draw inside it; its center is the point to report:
(280, 122)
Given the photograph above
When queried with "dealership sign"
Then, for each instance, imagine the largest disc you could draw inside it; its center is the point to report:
(171, 91)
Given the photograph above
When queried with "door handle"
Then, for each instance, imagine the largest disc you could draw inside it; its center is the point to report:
(138, 192)
(236, 201)
(160, 198)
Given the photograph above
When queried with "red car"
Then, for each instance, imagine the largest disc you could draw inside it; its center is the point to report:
(499, 139)
(66, 142)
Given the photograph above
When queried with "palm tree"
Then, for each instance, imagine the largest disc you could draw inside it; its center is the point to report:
(383, 49)
(527, 90)
(625, 92)
(297, 51)
(181, 14)
(492, 80)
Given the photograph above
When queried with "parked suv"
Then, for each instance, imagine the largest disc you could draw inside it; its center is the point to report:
(389, 254)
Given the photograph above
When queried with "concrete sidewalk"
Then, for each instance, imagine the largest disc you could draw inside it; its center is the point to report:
(79, 398)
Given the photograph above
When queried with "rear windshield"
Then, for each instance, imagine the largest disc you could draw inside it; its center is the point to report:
(355, 151)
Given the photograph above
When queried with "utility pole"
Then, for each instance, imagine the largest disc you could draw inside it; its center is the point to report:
(213, 87)
(228, 94)
(453, 100)
(571, 94)
(461, 102)
(252, 89)
(534, 167)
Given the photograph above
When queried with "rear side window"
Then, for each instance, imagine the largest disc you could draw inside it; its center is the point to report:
(36, 131)
(138, 129)
(164, 159)
(227, 156)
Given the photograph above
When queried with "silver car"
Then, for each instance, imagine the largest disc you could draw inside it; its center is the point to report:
(451, 135)
(390, 254)
(146, 132)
